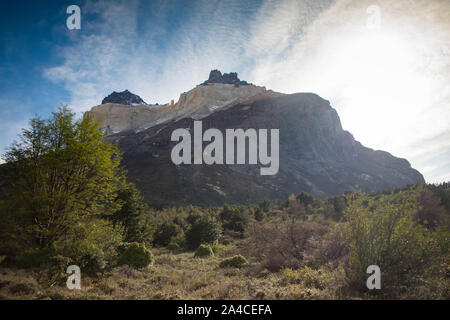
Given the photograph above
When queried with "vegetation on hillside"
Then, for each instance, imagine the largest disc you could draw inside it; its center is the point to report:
(64, 200)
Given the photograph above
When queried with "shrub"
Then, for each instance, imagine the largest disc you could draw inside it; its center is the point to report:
(259, 214)
(135, 254)
(308, 283)
(284, 244)
(306, 276)
(382, 231)
(234, 218)
(203, 251)
(204, 229)
(92, 245)
(237, 261)
(220, 249)
(33, 257)
(173, 246)
(166, 231)
(22, 288)
(132, 215)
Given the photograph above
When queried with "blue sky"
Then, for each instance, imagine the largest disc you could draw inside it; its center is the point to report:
(389, 83)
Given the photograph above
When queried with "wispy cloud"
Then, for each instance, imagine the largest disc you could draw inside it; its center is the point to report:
(115, 53)
(390, 86)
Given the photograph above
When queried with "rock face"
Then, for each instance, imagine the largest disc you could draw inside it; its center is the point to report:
(203, 100)
(124, 98)
(316, 154)
(215, 76)
(113, 118)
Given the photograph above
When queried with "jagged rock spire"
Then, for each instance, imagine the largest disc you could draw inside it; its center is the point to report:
(124, 98)
(215, 76)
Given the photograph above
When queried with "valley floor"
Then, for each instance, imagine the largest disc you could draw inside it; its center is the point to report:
(172, 276)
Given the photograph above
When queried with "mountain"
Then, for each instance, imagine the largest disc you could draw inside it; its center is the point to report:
(197, 103)
(124, 98)
(315, 154)
(215, 76)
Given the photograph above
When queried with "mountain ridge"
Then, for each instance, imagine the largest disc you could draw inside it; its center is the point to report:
(124, 98)
(219, 91)
(316, 156)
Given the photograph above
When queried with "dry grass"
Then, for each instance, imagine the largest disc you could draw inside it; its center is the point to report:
(172, 276)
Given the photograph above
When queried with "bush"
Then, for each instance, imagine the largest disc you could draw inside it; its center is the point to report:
(173, 246)
(203, 251)
(382, 231)
(259, 214)
(204, 229)
(166, 231)
(306, 276)
(92, 245)
(33, 258)
(132, 215)
(285, 244)
(135, 254)
(22, 288)
(237, 261)
(220, 249)
(234, 218)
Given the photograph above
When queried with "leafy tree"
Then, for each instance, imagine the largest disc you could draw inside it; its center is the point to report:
(431, 211)
(296, 207)
(442, 192)
(265, 205)
(61, 172)
(382, 231)
(234, 218)
(133, 216)
(165, 232)
(259, 214)
(205, 228)
(306, 199)
(335, 207)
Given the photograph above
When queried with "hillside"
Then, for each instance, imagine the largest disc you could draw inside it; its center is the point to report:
(316, 156)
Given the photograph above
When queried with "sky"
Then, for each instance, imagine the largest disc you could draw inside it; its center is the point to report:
(383, 65)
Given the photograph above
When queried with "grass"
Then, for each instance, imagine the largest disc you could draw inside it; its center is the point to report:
(172, 276)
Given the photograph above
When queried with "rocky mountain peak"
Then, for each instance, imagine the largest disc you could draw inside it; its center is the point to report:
(315, 154)
(124, 98)
(218, 92)
(215, 76)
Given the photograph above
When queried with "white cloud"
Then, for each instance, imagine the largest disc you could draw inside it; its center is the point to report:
(390, 87)
(112, 54)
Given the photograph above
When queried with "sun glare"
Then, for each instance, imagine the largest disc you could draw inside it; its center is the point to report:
(380, 86)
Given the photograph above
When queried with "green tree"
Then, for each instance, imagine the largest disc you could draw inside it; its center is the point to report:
(133, 216)
(259, 214)
(264, 205)
(60, 172)
(235, 218)
(166, 232)
(382, 231)
(205, 228)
